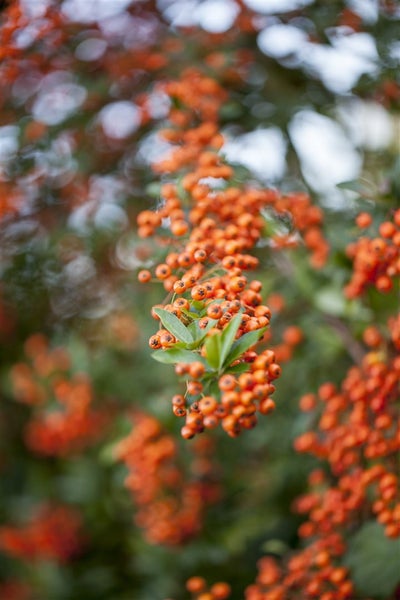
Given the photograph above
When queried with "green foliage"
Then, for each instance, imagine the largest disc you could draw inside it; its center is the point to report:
(174, 326)
(373, 560)
(69, 253)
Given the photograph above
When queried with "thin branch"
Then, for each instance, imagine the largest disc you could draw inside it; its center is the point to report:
(354, 348)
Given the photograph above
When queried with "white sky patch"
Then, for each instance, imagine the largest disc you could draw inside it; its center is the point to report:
(368, 124)
(341, 65)
(262, 151)
(153, 149)
(91, 49)
(89, 11)
(120, 119)
(281, 40)
(52, 106)
(394, 51)
(26, 85)
(8, 142)
(180, 13)
(79, 270)
(327, 156)
(216, 16)
(57, 162)
(26, 36)
(106, 189)
(269, 7)
(35, 8)
(158, 105)
(110, 216)
(367, 9)
(102, 206)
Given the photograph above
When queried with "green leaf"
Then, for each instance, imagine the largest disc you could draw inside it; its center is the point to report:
(191, 315)
(200, 334)
(353, 185)
(244, 343)
(174, 325)
(153, 189)
(172, 356)
(363, 186)
(240, 368)
(330, 300)
(213, 350)
(228, 337)
(198, 305)
(373, 560)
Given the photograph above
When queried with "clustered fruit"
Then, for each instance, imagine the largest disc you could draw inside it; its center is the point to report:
(63, 419)
(53, 533)
(211, 224)
(376, 260)
(357, 439)
(170, 501)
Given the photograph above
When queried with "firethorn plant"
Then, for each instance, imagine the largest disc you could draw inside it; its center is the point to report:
(213, 321)
(260, 459)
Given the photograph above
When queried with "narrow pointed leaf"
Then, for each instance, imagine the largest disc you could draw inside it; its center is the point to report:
(244, 343)
(200, 334)
(174, 325)
(213, 350)
(228, 337)
(171, 356)
(239, 368)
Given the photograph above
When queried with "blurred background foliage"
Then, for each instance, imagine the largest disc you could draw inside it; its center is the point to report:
(313, 105)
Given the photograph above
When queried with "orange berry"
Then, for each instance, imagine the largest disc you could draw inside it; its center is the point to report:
(194, 388)
(162, 271)
(167, 339)
(197, 370)
(195, 585)
(155, 342)
(292, 335)
(220, 590)
(207, 405)
(198, 292)
(214, 311)
(363, 220)
(227, 383)
(179, 286)
(179, 227)
(387, 229)
(274, 370)
(267, 406)
(144, 276)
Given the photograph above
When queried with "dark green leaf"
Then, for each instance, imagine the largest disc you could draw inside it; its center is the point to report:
(228, 337)
(176, 355)
(354, 186)
(373, 560)
(174, 325)
(213, 350)
(198, 305)
(200, 334)
(240, 368)
(244, 343)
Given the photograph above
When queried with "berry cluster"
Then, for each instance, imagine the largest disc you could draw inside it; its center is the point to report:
(376, 261)
(199, 590)
(63, 419)
(359, 436)
(311, 573)
(169, 506)
(11, 589)
(53, 533)
(214, 314)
